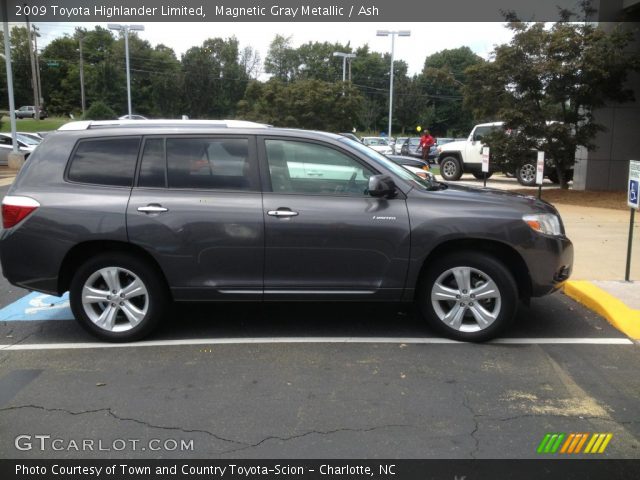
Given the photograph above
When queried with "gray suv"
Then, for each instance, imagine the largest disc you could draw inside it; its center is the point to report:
(131, 216)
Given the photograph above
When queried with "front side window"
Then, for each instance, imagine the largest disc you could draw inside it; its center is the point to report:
(210, 163)
(106, 161)
(309, 168)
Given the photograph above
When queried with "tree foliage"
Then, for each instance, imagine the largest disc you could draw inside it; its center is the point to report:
(546, 84)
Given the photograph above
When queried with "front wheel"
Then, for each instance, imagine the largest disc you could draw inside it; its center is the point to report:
(468, 296)
(450, 169)
(118, 297)
(526, 174)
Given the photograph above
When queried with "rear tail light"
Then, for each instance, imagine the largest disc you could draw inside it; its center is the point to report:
(16, 208)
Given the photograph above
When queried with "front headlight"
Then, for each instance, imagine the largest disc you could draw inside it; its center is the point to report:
(546, 223)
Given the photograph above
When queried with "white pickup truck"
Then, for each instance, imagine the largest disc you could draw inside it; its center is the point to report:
(465, 156)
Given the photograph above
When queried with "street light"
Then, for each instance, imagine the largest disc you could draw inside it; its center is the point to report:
(393, 33)
(126, 29)
(344, 62)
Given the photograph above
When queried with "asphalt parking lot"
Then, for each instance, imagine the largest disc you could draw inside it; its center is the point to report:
(316, 381)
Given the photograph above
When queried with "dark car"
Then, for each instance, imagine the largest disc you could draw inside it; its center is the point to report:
(129, 218)
(411, 147)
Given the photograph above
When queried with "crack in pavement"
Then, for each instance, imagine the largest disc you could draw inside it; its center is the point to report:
(476, 425)
(318, 432)
(110, 412)
(243, 445)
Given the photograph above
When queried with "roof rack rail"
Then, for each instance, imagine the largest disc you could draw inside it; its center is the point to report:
(91, 124)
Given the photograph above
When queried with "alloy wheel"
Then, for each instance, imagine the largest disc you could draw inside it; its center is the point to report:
(466, 299)
(115, 299)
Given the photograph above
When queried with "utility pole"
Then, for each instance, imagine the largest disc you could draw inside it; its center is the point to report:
(345, 56)
(7, 58)
(34, 79)
(35, 41)
(82, 99)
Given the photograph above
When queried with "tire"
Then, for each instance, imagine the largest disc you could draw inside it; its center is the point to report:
(480, 175)
(33, 116)
(498, 308)
(553, 176)
(149, 306)
(526, 174)
(450, 169)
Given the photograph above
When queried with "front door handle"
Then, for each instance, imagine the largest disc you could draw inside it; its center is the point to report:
(282, 213)
(153, 208)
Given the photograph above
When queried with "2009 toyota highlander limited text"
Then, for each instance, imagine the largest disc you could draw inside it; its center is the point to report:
(129, 216)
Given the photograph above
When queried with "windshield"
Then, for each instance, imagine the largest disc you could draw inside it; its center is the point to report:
(376, 141)
(403, 173)
(28, 140)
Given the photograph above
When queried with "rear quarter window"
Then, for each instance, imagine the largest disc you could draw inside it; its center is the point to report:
(105, 161)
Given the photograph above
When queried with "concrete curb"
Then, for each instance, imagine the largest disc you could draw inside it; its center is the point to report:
(625, 319)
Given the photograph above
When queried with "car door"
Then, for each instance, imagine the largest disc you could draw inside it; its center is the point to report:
(197, 208)
(473, 152)
(325, 237)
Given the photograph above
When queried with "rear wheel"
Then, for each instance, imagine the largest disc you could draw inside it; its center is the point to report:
(526, 174)
(468, 296)
(118, 297)
(450, 169)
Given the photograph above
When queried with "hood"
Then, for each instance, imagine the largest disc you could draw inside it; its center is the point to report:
(453, 146)
(494, 197)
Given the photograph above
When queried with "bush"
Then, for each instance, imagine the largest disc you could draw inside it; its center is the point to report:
(99, 111)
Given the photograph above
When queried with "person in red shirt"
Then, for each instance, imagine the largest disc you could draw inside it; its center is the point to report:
(426, 142)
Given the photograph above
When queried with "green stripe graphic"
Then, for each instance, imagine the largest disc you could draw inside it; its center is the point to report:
(543, 443)
(558, 442)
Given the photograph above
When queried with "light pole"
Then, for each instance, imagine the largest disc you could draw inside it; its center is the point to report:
(393, 33)
(344, 62)
(7, 59)
(82, 99)
(126, 29)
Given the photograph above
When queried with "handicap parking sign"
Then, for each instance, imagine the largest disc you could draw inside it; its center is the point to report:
(634, 184)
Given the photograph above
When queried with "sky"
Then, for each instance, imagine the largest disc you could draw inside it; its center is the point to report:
(425, 39)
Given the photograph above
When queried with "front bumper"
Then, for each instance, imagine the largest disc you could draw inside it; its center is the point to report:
(550, 262)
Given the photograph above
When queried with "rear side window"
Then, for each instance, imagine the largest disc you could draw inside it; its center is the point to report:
(153, 166)
(209, 163)
(107, 161)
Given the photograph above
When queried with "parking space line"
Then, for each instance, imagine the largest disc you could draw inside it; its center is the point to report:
(311, 340)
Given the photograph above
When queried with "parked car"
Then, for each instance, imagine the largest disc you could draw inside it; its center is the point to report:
(411, 147)
(132, 117)
(31, 136)
(465, 155)
(30, 112)
(398, 145)
(379, 144)
(25, 146)
(131, 217)
(418, 167)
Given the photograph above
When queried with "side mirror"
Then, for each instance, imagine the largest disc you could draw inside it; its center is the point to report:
(381, 186)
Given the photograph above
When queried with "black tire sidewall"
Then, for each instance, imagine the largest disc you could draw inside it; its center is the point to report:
(455, 176)
(486, 263)
(156, 289)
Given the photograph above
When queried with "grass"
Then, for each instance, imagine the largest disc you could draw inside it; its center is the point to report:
(31, 125)
(614, 200)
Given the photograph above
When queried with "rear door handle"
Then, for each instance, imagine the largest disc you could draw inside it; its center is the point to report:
(282, 213)
(153, 208)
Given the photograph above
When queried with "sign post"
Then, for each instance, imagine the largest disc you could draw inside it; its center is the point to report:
(540, 172)
(634, 203)
(485, 163)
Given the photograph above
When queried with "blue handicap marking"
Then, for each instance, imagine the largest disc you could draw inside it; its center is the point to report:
(633, 192)
(38, 306)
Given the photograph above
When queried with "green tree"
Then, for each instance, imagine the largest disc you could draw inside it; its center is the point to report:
(546, 84)
(441, 81)
(99, 111)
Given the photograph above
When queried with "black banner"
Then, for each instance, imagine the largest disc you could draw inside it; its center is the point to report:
(579, 469)
(308, 10)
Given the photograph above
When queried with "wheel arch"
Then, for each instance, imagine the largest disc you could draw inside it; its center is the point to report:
(511, 259)
(85, 250)
(452, 153)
